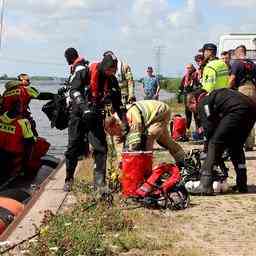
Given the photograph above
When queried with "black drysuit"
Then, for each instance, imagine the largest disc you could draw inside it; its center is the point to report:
(80, 132)
(227, 117)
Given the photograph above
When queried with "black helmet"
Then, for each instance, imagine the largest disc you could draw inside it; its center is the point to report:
(210, 46)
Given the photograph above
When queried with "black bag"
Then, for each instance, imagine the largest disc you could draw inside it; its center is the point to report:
(57, 112)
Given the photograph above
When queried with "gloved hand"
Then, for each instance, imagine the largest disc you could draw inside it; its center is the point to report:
(62, 90)
(89, 114)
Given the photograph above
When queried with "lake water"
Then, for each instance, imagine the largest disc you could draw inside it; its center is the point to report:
(58, 139)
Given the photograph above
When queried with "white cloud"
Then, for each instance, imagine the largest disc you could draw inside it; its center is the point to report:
(236, 3)
(131, 28)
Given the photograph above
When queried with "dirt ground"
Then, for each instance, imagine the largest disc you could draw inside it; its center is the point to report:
(217, 225)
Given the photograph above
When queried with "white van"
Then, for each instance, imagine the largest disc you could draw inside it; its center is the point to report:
(231, 41)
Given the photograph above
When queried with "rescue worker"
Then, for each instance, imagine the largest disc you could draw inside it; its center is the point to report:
(91, 88)
(125, 80)
(20, 90)
(148, 122)
(215, 72)
(16, 142)
(243, 79)
(188, 84)
(227, 118)
(151, 85)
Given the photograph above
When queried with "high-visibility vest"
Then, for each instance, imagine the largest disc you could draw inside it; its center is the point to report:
(215, 76)
(12, 134)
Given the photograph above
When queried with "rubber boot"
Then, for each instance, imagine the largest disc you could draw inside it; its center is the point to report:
(241, 181)
(99, 172)
(205, 187)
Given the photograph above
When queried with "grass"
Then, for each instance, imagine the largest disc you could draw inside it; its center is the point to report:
(176, 108)
(170, 84)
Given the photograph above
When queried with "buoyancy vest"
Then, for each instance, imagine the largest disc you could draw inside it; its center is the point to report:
(98, 91)
(13, 132)
(215, 75)
(19, 93)
(152, 183)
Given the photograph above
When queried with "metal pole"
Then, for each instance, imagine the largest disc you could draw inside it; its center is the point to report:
(2, 22)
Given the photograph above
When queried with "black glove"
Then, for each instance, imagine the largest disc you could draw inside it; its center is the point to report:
(89, 114)
(62, 90)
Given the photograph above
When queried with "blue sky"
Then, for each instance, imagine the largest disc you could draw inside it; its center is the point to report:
(36, 33)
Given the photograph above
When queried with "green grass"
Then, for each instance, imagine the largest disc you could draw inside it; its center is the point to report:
(170, 84)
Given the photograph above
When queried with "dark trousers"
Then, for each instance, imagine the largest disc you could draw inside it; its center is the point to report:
(189, 114)
(79, 135)
(231, 133)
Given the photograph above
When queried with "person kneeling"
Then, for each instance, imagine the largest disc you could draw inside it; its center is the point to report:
(227, 118)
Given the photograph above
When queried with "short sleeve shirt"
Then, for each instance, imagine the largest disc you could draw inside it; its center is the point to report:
(150, 85)
(238, 69)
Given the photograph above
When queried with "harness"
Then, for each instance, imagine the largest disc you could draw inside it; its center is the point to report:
(143, 135)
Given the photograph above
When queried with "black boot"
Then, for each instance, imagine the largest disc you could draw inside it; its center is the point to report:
(241, 181)
(205, 188)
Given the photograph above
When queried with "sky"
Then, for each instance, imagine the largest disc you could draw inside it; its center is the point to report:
(36, 33)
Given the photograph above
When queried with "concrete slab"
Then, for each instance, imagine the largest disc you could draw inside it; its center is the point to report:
(51, 198)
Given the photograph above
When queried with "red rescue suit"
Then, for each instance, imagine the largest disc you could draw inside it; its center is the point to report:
(11, 137)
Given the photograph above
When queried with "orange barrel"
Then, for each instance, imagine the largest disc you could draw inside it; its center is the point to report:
(136, 168)
(9, 209)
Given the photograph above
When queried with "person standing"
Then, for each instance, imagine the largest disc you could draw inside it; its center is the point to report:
(188, 84)
(125, 80)
(243, 79)
(80, 113)
(215, 72)
(151, 85)
(91, 90)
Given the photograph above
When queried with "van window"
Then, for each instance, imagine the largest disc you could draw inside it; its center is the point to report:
(251, 54)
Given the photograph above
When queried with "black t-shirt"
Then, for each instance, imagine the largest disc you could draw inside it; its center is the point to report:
(238, 69)
(221, 103)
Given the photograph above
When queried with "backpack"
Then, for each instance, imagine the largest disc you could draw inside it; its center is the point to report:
(249, 74)
(178, 128)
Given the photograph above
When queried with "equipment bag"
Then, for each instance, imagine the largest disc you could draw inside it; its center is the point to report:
(178, 128)
(57, 112)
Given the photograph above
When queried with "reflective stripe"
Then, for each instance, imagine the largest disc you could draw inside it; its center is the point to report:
(26, 128)
(207, 110)
(78, 68)
(7, 128)
(33, 92)
(241, 166)
(133, 138)
(12, 92)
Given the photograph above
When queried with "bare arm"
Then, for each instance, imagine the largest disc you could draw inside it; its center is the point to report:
(231, 81)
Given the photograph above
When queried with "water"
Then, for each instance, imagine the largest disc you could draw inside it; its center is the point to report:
(58, 139)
